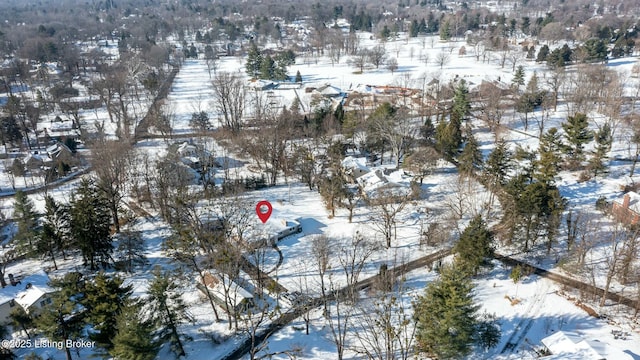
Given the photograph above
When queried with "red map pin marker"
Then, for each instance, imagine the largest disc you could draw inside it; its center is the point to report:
(263, 209)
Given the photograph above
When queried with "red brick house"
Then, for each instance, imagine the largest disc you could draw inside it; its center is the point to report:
(627, 210)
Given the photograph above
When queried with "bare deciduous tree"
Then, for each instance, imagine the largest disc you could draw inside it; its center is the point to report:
(386, 205)
(442, 58)
(112, 161)
(229, 99)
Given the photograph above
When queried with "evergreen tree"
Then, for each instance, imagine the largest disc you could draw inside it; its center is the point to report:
(414, 29)
(603, 139)
(445, 31)
(267, 67)
(538, 209)
(518, 77)
(446, 319)
(253, 62)
(26, 219)
(423, 26)
(90, 224)
(134, 337)
(298, 78)
(104, 298)
(200, 121)
(55, 229)
(449, 135)
(385, 33)
(543, 53)
(131, 249)
(461, 107)
(61, 320)
(498, 164)
(474, 246)
(577, 134)
(471, 157)
(550, 152)
(531, 98)
(525, 24)
(20, 319)
(167, 309)
(447, 139)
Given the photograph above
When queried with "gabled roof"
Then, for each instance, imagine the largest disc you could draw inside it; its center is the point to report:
(570, 345)
(351, 165)
(28, 291)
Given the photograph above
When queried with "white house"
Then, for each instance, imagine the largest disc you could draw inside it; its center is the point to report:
(375, 183)
(568, 345)
(31, 293)
(355, 167)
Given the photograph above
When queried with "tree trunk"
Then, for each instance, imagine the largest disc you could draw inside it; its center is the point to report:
(67, 351)
(174, 331)
(114, 213)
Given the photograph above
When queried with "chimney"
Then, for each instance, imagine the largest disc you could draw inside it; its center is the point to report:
(625, 201)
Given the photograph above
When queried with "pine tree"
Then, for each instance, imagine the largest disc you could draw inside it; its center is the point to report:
(20, 319)
(267, 68)
(603, 139)
(26, 219)
(55, 229)
(254, 60)
(134, 337)
(518, 77)
(577, 133)
(498, 164)
(474, 246)
(131, 249)
(446, 316)
(550, 152)
(168, 309)
(471, 158)
(447, 139)
(461, 106)
(200, 121)
(61, 320)
(298, 77)
(90, 223)
(445, 31)
(104, 298)
(449, 135)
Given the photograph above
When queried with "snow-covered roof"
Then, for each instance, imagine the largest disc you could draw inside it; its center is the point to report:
(186, 149)
(375, 182)
(570, 345)
(355, 165)
(261, 84)
(329, 91)
(215, 284)
(28, 291)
